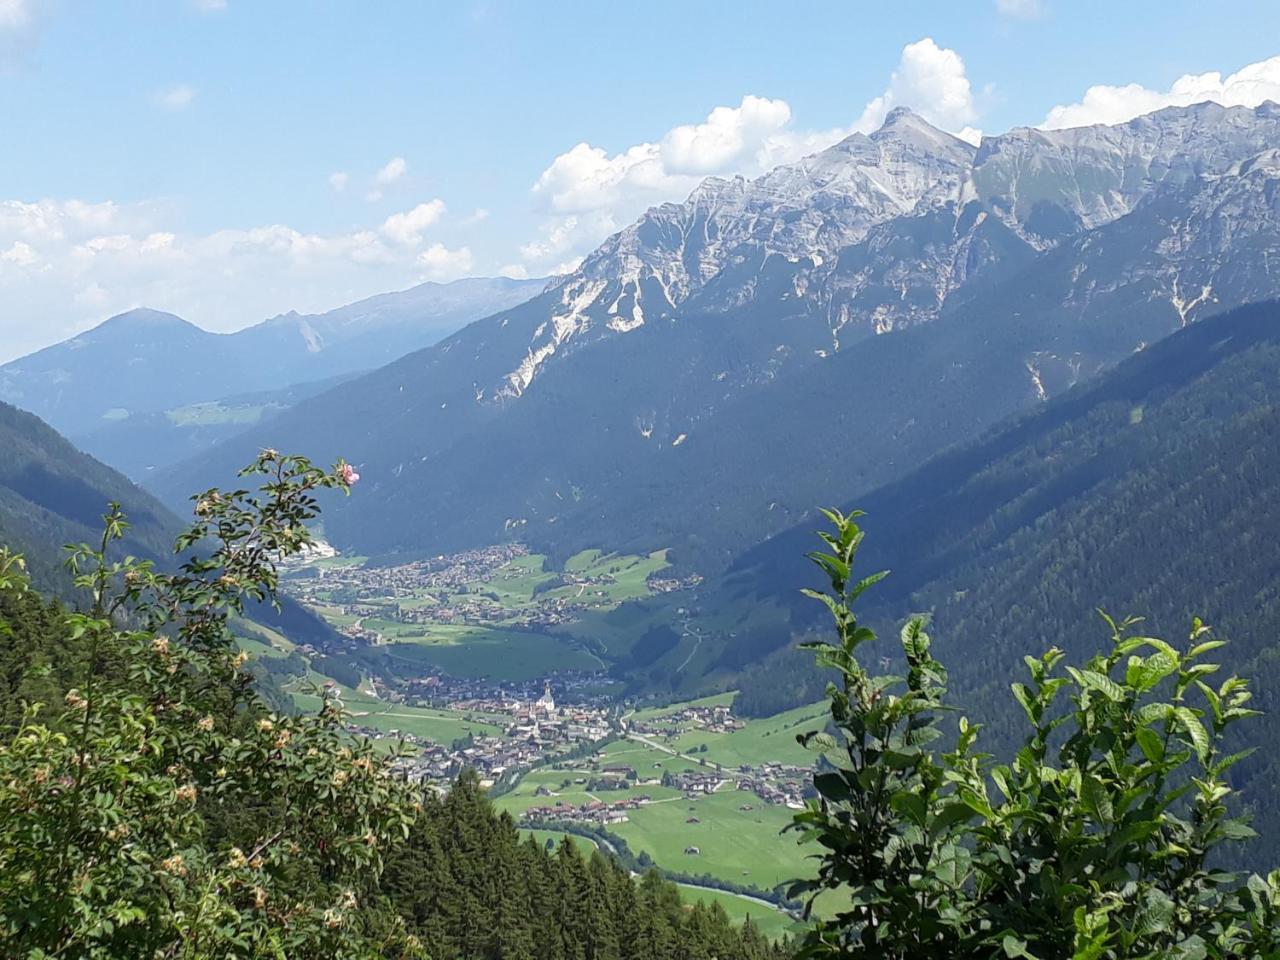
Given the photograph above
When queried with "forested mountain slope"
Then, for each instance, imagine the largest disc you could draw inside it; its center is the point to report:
(52, 494)
(854, 313)
(1151, 491)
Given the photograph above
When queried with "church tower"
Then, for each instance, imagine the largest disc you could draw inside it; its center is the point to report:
(546, 702)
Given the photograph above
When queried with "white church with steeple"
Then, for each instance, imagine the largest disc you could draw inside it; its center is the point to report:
(546, 704)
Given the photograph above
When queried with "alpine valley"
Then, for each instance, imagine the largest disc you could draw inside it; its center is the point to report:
(567, 582)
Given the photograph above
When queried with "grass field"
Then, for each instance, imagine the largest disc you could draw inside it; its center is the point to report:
(482, 652)
(773, 923)
(738, 836)
(500, 648)
(745, 846)
(736, 844)
(215, 412)
(770, 739)
(657, 713)
(441, 726)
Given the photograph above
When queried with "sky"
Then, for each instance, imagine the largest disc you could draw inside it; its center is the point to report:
(229, 160)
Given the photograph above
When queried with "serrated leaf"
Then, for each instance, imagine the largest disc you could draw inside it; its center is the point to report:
(1092, 680)
(1195, 731)
(1156, 914)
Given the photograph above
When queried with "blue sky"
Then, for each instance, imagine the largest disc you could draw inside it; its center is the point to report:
(221, 159)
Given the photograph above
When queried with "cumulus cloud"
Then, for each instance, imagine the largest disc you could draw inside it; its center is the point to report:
(588, 192)
(65, 265)
(21, 254)
(338, 180)
(407, 227)
(440, 263)
(1247, 87)
(478, 215)
(177, 97)
(722, 138)
(932, 81)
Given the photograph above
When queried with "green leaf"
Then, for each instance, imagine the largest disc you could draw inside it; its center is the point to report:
(910, 805)
(1150, 743)
(1095, 798)
(1156, 914)
(1205, 648)
(1195, 731)
(1142, 675)
(1024, 699)
(1092, 680)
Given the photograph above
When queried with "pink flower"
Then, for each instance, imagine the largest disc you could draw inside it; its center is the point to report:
(349, 475)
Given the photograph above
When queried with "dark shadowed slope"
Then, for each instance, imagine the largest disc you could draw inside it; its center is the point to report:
(52, 494)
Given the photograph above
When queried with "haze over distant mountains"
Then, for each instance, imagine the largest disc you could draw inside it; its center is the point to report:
(721, 365)
(124, 390)
(146, 360)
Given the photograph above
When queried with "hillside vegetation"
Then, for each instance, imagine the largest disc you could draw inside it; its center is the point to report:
(1149, 491)
(52, 494)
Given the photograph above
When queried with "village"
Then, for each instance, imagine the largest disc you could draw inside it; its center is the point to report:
(497, 585)
(534, 732)
(541, 733)
(518, 724)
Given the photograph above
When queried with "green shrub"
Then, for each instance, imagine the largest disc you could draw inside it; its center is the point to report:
(1095, 840)
(161, 811)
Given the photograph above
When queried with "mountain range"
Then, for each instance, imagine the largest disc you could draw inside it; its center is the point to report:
(721, 365)
(142, 388)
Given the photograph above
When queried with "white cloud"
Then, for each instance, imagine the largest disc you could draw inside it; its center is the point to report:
(21, 254)
(441, 263)
(20, 23)
(721, 139)
(1020, 9)
(209, 6)
(478, 215)
(931, 80)
(338, 181)
(177, 97)
(71, 263)
(392, 171)
(588, 192)
(1248, 87)
(407, 227)
(14, 14)
(516, 271)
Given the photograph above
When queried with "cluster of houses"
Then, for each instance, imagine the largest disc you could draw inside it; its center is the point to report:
(596, 811)
(536, 730)
(695, 782)
(717, 718)
(776, 783)
(672, 584)
(478, 695)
